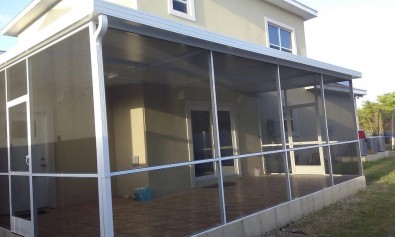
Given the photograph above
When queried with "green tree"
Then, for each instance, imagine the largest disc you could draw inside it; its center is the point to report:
(375, 117)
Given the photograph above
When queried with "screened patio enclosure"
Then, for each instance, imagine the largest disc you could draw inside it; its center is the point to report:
(209, 132)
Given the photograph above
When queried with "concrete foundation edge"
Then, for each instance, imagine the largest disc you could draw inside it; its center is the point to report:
(378, 156)
(5, 233)
(278, 216)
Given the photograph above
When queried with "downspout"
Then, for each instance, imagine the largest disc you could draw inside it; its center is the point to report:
(99, 100)
(101, 29)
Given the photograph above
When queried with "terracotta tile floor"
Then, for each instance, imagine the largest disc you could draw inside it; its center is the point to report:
(181, 214)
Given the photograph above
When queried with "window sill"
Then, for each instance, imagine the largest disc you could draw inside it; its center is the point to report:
(182, 15)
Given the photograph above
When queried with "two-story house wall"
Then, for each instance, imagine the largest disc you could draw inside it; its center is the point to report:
(248, 21)
(244, 20)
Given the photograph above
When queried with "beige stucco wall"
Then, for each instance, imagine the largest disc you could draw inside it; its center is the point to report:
(244, 20)
(122, 127)
(233, 18)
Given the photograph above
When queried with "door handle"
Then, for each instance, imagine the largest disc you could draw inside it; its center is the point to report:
(27, 160)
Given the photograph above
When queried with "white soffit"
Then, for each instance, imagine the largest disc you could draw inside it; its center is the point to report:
(140, 19)
(33, 11)
(296, 8)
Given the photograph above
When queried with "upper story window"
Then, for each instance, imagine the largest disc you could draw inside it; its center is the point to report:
(280, 37)
(182, 8)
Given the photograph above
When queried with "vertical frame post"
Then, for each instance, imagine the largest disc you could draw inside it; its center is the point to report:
(326, 129)
(8, 147)
(29, 145)
(99, 101)
(217, 149)
(282, 128)
(355, 119)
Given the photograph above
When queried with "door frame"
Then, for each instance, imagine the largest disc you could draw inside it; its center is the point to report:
(303, 169)
(206, 106)
(18, 225)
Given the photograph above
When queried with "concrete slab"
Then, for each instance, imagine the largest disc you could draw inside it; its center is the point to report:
(318, 200)
(253, 225)
(327, 193)
(335, 193)
(267, 220)
(307, 203)
(4, 233)
(296, 209)
(234, 229)
(283, 213)
(214, 233)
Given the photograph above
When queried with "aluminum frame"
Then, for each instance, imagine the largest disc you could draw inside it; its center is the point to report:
(217, 148)
(28, 226)
(26, 99)
(282, 129)
(322, 89)
(104, 173)
(355, 119)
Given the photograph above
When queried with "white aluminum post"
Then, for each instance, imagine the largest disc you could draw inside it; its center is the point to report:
(318, 126)
(355, 116)
(283, 139)
(326, 129)
(289, 132)
(99, 101)
(217, 149)
(33, 210)
(8, 148)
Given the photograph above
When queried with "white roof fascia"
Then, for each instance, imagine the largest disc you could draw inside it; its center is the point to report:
(140, 18)
(296, 8)
(339, 88)
(33, 11)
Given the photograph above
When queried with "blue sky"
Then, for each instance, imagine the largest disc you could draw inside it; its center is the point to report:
(357, 34)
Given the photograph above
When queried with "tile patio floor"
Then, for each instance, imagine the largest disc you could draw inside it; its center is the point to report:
(181, 214)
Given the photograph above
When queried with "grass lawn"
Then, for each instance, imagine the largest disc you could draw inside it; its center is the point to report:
(371, 212)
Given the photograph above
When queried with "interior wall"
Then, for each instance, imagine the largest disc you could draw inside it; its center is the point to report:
(165, 126)
(62, 117)
(121, 102)
(248, 133)
(166, 131)
(247, 125)
(305, 119)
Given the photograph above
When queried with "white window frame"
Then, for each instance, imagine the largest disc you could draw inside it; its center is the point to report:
(190, 15)
(283, 26)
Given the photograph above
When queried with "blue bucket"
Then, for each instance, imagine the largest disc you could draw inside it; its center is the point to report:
(143, 194)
